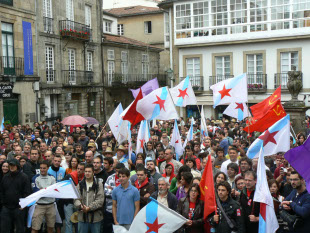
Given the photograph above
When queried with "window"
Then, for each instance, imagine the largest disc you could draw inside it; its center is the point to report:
(49, 64)
(222, 67)
(145, 66)
(148, 27)
(201, 18)
(111, 54)
(124, 66)
(183, 20)
(111, 69)
(288, 60)
(193, 67)
(108, 26)
(238, 15)
(47, 16)
(8, 49)
(255, 68)
(88, 15)
(280, 9)
(72, 71)
(120, 29)
(167, 27)
(301, 10)
(219, 16)
(258, 13)
(7, 2)
(70, 14)
(89, 61)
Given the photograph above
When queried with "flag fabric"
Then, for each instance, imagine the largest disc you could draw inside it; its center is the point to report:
(260, 109)
(275, 139)
(62, 190)
(183, 94)
(132, 115)
(268, 222)
(154, 217)
(2, 125)
(115, 120)
(230, 90)
(158, 105)
(129, 141)
(190, 134)
(272, 116)
(203, 125)
(147, 88)
(143, 136)
(237, 110)
(176, 141)
(207, 189)
(299, 159)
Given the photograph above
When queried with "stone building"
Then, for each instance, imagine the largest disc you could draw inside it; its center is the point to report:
(18, 61)
(70, 67)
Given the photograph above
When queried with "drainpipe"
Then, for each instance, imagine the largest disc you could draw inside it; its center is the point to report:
(170, 46)
(102, 61)
(38, 118)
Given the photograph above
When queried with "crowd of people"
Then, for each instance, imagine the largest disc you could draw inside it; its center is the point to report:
(114, 186)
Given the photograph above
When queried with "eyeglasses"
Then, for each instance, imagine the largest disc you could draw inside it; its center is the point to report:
(295, 179)
(194, 191)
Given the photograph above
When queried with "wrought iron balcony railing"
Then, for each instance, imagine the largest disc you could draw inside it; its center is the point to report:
(48, 25)
(78, 77)
(257, 82)
(132, 80)
(218, 78)
(282, 79)
(11, 66)
(75, 30)
(196, 82)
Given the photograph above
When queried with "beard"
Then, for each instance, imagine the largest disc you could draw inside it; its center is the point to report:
(162, 191)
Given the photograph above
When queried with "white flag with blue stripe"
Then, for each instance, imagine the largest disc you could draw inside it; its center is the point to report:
(176, 141)
(183, 94)
(115, 120)
(237, 110)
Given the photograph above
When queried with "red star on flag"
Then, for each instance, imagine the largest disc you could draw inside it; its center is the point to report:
(268, 137)
(177, 141)
(141, 141)
(225, 92)
(56, 190)
(240, 106)
(154, 227)
(160, 102)
(183, 93)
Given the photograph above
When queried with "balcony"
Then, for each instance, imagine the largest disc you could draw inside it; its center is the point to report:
(281, 79)
(78, 77)
(48, 25)
(196, 82)
(218, 78)
(11, 66)
(257, 83)
(50, 75)
(73, 30)
(133, 80)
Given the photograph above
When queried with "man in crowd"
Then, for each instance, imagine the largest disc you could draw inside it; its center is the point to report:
(91, 203)
(14, 185)
(79, 152)
(108, 167)
(92, 147)
(233, 158)
(126, 200)
(32, 167)
(98, 171)
(119, 157)
(55, 170)
(45, 205)
(169, 158)
(151, 167)
(245, 165)
(89, 157)
(163, 195)
(145, 187)
(232, 171)
(189, 153)
(223, 141)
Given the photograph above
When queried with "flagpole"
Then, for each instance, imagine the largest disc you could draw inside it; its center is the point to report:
(101, 131)
(293, 132)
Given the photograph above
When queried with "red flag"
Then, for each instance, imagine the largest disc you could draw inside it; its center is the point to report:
(260, 109)
(132, 115)
(274, 114)
(207, 189)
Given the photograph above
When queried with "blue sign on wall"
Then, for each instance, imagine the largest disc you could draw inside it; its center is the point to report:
(28, 54)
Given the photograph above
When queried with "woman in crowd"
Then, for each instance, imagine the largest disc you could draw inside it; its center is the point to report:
(73, 164)
(301, 139)
(191, 207)
(169, 172)
(219, 177)
(186, 180)
(4, 168)
(191, 163)
(176, 181)
(66, 164)
(22, 162)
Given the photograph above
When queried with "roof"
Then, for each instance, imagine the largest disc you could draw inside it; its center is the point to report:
(167, 3)
(128, 41)
(133, 10)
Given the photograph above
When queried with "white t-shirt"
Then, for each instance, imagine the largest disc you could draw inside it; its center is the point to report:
(225, 164)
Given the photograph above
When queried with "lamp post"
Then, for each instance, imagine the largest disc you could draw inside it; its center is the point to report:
(170, 76)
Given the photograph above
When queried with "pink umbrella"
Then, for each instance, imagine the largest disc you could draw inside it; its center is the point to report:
(74, 120)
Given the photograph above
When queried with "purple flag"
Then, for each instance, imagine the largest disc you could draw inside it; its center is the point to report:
(147, 88)
(299, 158)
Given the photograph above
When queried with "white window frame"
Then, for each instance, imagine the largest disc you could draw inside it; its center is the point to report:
(111, 72)
(148, 27)
(124, 66)
(110, 54)
(145, 66)
(284, 75)
(72, 66)
(120, 29)
(89, 61)
(49, 64)
(47, 8)
(70, 14)
(255, 77)
(88, 15)
(220, 76)
(108, 26)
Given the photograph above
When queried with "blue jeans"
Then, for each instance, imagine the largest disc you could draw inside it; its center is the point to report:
(85, 226)
(68, 209)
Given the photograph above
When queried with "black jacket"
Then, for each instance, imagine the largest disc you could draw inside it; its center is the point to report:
(248, 209)
(198, 221)
(171, 198)
(13, 186)
(234, 213)
(31, 169)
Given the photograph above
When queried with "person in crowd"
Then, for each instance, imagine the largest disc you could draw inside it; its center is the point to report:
(233, 158)
(176, 181)
(227, 208)
(150, 150)
(285, 186)
(44, 208)
(108, 152)
(66, 163)
(186, 180)
(144, 186)
(99, 172)
(223, 141)
(191, 163)
(73, 164)
(220, 157)
(55, 170)
(297, 203)
(92, 147)
(79, 152)
(4, 168)
(192, 208)
(32, 167)
(126, 200)
(245, 164)
(14, 185)
(3, 158)
(22, 161)
(239, 186)
(91, 202)
(219, 177)
(250, 208)
(189, 153)
(108, 167)
(163, 196)
(151, 168)
(169, 158)
(169, 173)
(119, 157)
(89, 157)
(232, 171)
(161, 156)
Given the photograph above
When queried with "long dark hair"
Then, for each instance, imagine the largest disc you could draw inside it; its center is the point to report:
(194, 185)
(74, 157)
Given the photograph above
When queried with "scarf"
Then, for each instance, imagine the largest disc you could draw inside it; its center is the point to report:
(172, 175)
(117, 182)
(138, 186)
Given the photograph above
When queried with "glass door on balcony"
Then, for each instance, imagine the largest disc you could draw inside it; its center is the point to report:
(124, 66)
(193, 70)
(8, 63)
(222, 68)
(49, 63)
(72, 70)
(70, 14)
(111, 69)
(255, 68)
(288, 60)
(47, 16)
